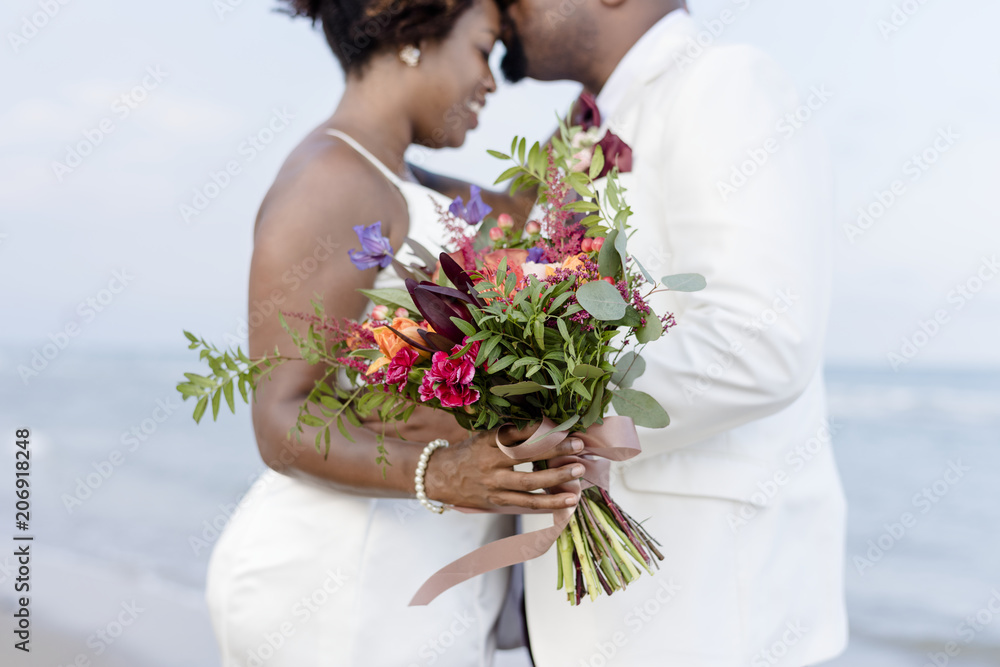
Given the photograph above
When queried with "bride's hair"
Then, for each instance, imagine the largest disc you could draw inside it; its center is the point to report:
(358, 29)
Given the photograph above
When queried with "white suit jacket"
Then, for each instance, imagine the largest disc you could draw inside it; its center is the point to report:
(741, 488)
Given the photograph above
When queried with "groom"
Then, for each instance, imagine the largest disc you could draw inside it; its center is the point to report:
(741, 488)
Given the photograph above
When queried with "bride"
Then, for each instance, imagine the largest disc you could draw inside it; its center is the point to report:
(319, 565)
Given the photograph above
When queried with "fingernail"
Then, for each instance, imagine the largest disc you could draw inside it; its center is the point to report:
(571, 501)
(577, 471)
(577, 445)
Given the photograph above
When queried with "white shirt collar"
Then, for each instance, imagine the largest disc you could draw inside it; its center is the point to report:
(634, 63)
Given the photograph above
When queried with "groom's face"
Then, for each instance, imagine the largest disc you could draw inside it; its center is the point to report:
(543, 39)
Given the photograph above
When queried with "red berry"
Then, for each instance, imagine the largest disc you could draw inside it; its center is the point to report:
(587, 245)
(598, 243)
(609, 280)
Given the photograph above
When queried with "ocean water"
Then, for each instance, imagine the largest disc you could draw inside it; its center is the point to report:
(112, 528)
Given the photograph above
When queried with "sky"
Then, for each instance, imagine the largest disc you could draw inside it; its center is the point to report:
(96, 252)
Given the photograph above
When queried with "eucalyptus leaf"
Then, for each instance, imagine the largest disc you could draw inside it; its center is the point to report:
(641, 407)
(632, 319)
(642, 269)
(621, 240)
(684, 282)
(601, 300)
(630, 368)
(652, 331)
(608, 260)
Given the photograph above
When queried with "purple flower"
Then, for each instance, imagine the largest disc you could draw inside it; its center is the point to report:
(535, 254)
(475, 212)
(375, 248)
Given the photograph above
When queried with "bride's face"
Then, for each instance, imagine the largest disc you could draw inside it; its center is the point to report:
(455, 78)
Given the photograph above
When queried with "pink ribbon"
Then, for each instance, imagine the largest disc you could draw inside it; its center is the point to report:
(599, 450)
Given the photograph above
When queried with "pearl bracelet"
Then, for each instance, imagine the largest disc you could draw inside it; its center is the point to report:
(418, 480)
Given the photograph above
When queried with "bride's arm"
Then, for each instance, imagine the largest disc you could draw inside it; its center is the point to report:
(300, 253)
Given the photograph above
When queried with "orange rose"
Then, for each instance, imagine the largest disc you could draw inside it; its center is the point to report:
(572, 263)
(515, 258)
(390, 344)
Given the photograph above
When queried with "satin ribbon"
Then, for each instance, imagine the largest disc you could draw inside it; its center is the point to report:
(614, 440)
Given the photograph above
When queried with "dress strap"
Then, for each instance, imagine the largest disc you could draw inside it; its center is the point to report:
(350, 141)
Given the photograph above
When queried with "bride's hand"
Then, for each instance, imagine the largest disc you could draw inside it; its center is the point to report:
(475, 473)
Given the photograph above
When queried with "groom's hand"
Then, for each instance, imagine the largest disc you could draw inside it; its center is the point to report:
(475, 473)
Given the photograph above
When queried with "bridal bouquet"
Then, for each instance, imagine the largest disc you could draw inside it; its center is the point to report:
(514, 326)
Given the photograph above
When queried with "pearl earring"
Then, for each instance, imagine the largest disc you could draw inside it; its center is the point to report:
(410, 55)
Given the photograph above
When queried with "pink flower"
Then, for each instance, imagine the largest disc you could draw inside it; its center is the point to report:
(456, 397)
(451, 371)
(449, 380)
(583, 158)
(427, 387)
(398, 371)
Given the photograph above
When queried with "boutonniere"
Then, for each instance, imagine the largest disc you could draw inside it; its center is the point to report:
(617, 153)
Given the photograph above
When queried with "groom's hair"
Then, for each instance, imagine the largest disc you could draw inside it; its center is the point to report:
(356, 30)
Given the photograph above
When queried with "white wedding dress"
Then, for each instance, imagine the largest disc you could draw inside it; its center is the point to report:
(304, 576)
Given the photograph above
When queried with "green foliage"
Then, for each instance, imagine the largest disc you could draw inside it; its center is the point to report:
(393, 298)
(629, 368)
(641, 407)
(228, 369)
(601, 300)
(684, 282)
